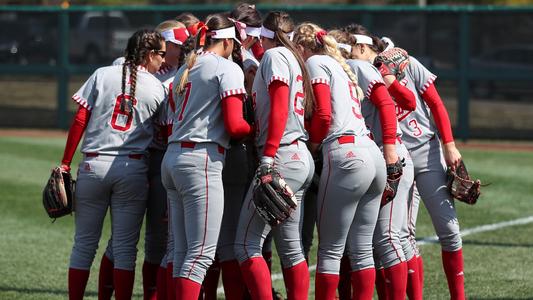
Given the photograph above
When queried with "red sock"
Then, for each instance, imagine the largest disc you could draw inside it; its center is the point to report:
(453, 267)
(149, 280)
(232, 280)
(257, 278)
(171, 283)
(187, 289)
(421, 273)
(268, 259)
(381, 287)
(363, 284)
(105, 279)
(325, 286)
(210, 283)
(123, 280)
(161, 284)
(345, 285)
(297, 281)
(77, 281)
(396, 281)
(414, 290)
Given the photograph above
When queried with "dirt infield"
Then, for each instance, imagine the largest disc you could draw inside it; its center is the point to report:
(516, 146)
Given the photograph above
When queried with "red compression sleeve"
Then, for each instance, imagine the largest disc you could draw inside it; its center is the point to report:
(321, 119)
(74, 134)
(258, 50)
(440, 114)
(234, 121)
(403, 96)
(279, 112)
(387, 112)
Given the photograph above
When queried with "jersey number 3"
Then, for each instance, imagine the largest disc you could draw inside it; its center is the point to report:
(120, 120)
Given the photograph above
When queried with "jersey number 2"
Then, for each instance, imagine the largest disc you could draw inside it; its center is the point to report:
(121, 120)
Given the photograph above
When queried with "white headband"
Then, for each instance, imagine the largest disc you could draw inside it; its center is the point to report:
(265, 32)
(345, 47)
(253, 31)
(389, 43)
(363, 39)
(226, 33)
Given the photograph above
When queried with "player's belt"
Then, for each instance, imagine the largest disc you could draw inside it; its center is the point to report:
(191, 145)
(346, 139)
(132, 156)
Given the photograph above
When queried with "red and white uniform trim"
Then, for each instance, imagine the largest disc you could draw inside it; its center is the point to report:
(232, 92)
(370, 87)
(320, 80)
(279, 78)
(82, 101)
(428, 83)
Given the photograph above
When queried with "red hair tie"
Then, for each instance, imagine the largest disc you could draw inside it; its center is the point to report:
(202, 31)
(320, 36)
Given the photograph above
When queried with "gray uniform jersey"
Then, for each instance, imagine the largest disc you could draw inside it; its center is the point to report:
(111, 131)
(198, 116)
(325, 69)
(166, 75)
(416, 125)
(248, 59)
(279, 64)
(369, 76)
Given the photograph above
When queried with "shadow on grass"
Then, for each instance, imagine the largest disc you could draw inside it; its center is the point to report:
(498, 244)
(23, 290)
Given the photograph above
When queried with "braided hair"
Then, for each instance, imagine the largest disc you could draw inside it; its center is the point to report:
(140, 44)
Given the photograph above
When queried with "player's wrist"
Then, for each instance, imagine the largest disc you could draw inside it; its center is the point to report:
(267, 160)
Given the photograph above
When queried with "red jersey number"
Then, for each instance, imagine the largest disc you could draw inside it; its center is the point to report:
(121, 120)
(356, 108)
(416, 130)
(188, 87)
(299, 98)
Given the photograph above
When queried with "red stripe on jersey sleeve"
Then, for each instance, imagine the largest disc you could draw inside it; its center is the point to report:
(278, 78)
(321, 118)
(430, 81)
(234, 121)
(319, 80)
(232, 92)
(387, 113)
(81, 119)
(403, 96)
(440, 114)
(371, 87)
(279, 113)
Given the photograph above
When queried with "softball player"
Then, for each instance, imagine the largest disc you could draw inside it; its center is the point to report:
(431, 158)
(240, 163)
(353, 176)
(114, 169)
(175, 35)
(192, 166)
(391, 251)
(280, 104)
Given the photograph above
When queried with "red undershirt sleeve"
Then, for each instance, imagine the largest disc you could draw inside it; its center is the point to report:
(403, 96)
(234, 121)
(387, 112)
(440, 114)
(279, 113)
(321, 119)
(81, 119)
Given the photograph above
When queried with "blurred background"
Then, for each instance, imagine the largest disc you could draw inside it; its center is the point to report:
(482, 51)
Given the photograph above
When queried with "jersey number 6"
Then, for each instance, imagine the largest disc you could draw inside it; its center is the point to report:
(121, 120)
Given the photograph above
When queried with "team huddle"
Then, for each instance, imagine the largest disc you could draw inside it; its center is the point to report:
(200, 121)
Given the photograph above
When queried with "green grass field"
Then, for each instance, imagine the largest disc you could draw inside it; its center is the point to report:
(34, 253)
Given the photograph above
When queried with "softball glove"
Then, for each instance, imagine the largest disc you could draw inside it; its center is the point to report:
(58, 194)
(394, 175)
(461, 186)
(392, 62)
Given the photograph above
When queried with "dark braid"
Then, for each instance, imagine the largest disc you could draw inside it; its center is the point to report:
(236, 55)
(140, 44)
(377, 44)
(186, 48)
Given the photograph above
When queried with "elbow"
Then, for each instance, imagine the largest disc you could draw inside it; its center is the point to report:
(411, 105)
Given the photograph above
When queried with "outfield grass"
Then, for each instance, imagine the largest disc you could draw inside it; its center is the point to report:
(34, 253)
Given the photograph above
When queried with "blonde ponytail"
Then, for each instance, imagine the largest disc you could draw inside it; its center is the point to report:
(190, 61)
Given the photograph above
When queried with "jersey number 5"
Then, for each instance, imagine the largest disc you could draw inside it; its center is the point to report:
(356, 108)
(122, 120)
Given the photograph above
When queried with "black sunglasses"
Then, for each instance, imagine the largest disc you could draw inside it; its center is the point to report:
(161, 53)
